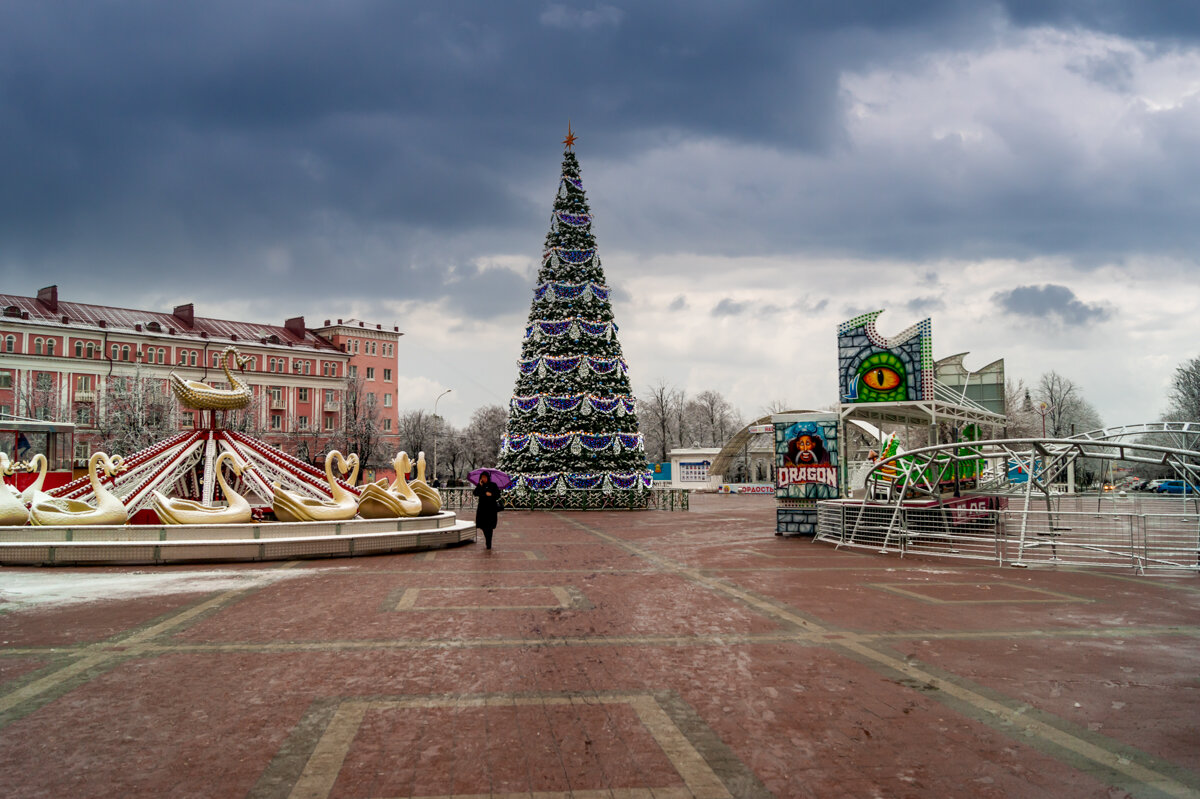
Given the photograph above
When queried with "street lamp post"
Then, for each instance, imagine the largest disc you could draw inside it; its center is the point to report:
(1043, 409)
(436, 427)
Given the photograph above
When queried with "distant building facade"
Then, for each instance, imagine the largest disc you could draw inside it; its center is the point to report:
(60, 360)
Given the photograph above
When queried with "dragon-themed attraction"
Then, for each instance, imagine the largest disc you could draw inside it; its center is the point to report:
(962, 488)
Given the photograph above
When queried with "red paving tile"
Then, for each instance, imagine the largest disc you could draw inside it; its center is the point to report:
(693, 653)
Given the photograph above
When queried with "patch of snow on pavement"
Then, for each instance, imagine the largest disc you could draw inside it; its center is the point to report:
(26, 589)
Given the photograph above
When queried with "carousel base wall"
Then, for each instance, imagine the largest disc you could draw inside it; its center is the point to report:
(152, 545)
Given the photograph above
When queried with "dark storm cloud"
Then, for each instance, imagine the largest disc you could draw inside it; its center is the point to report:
(1155, 18)
(1049, 303)
(920, 305)
(263, 147)
(729, 307)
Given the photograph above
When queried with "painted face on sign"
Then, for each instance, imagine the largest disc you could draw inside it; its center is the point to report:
(807, 449)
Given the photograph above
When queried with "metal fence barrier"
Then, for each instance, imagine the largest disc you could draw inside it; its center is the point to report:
(1162, 536)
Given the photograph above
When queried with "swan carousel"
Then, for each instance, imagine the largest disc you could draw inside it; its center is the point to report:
(12, 507)
(292, 507)
(109, 509)
(398, 499)
(172, 510)
(431, 500)
(33, 492)
(203, 397)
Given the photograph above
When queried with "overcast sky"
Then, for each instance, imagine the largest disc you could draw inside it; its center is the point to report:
(1026, 173)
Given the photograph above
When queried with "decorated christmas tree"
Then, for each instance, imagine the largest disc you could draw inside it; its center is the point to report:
(572, 436)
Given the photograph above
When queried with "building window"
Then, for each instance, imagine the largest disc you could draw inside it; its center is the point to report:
(5, 410)
(302, 422)
(91, 350)
(188, 418)
(329, 421)
(308, 367)
(276, 421)
(276, 394)
(303, 394)
(5, 379)
(37, 346)
(44, 381)
(83, 416)
(83, 450)
(125, 352)
(355, 345)
(78, 349)
(83, 382)
(387, 375)
(329, 396)
(50, 346)
(116, 352)
(370, 400)
(370, 372)
(387, 424)
(387, 400)
(216, 359)
(353, 370)
(10, 343)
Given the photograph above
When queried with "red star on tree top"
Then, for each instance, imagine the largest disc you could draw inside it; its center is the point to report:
(570, 140)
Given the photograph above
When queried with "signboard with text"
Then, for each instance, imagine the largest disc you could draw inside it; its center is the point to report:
(806, 456)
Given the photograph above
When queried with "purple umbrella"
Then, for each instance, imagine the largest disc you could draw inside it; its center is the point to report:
(495, 476)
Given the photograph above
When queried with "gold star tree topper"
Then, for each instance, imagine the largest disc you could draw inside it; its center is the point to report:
(570, 140)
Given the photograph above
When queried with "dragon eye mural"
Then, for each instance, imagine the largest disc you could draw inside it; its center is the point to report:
(881, 378)
(876, 368)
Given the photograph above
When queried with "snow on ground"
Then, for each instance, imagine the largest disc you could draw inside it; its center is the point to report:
(20, 590)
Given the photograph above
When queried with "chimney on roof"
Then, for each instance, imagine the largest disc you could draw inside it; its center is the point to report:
(185, 314)
(326, 323)
(295, 326)
(49, 297)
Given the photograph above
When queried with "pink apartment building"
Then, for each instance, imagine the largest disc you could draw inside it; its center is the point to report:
(58, 359)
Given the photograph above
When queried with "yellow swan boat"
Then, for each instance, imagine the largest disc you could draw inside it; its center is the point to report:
(74, 512)
(203, 397)
(185, 511)
(33, 492)
(292, 507)
(431, 500)
(12, 508)
(398, 499)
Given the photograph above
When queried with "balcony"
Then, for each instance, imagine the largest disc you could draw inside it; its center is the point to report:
(278, 404)
(85, 396)
(332, 406)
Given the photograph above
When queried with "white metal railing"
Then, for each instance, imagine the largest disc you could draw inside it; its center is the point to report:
(1151, 535)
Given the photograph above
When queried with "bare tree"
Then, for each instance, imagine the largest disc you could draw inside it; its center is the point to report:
(1184, 396)
(655, 414)
(777, 406)
(1066, 411)
(136, 411)
(712, 418)
(361, 425)
(481, 439)
(1023, 420)
(415, 432)
(36, 396)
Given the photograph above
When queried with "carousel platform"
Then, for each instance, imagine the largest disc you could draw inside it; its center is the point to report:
(163, 544)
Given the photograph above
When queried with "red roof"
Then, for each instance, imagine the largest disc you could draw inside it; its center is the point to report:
(79, 314)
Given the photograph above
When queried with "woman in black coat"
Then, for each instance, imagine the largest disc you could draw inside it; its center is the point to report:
(487, 507)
